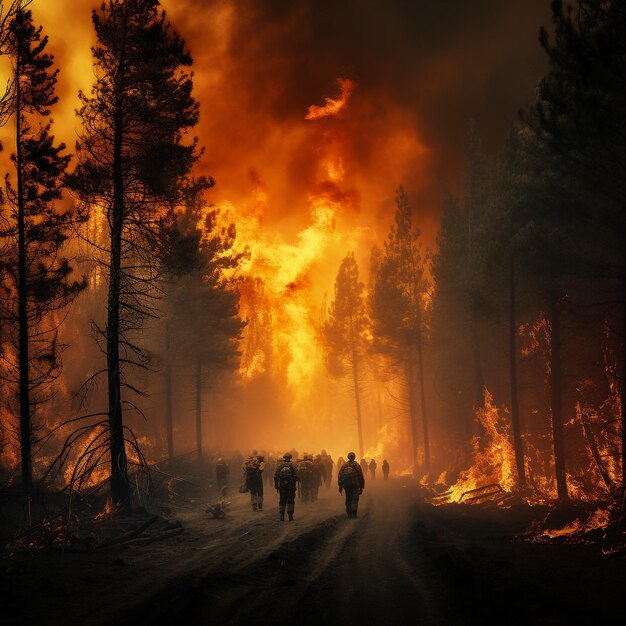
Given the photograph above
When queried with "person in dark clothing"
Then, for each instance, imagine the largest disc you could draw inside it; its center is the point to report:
(364, 466)
(285, 482)
(222, 471)
(253, 474)
(328, 463)
(385, 469)
(373, 465)
(352, 481)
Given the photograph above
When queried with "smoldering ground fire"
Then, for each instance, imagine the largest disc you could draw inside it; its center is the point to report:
(317, 227)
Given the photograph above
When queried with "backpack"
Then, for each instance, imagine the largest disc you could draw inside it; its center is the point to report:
(286, 476)
(349, 477)
(304, 471)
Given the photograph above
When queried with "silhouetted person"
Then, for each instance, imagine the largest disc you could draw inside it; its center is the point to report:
(352, 481)
(285, 481)
(306, 477)
(253, 474)
(327, 462)
(364, 466)
(222, 472)
(385, 469)
(373, 465)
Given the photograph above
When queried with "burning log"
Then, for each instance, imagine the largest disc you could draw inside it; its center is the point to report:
(482, 493)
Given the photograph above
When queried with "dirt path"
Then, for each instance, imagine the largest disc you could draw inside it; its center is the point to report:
(322, 566)
(399, 562)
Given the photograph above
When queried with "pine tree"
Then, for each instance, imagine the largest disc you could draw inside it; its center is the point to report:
(398, 311)
(576, 130)
(203, 324)
(132, 158)
(344, 332)
(36, 277)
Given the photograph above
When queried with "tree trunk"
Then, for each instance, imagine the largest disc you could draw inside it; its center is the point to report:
(410, 383)
(515, 416)
(169, 413)
(479, 381)
(556, 401)
(120, 490)
(622, 386)
(22, 296)
(357, 393)
(199, 407)
(420, 363)
(593, 448)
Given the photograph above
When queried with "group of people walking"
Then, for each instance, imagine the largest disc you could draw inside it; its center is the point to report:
(301, 477)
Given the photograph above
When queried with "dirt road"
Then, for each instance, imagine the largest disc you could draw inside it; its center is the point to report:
(399, 562)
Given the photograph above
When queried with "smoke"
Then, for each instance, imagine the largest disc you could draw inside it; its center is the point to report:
(304, 189)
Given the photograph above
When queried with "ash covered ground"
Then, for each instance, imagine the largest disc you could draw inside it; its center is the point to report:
(402, 561)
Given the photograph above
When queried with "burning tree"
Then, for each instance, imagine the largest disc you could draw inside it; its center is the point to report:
(344, 332)
(398, 301)
(35, 278)
(132, 158)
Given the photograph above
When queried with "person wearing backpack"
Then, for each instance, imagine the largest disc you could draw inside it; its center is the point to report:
(285, 481)
(352, 481)
(253, 476)
(306, 477)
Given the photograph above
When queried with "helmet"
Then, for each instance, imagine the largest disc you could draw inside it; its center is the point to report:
(351, 456)
(287, 456)
(261, 457)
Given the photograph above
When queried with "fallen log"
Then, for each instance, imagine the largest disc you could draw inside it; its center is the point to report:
(129, 535)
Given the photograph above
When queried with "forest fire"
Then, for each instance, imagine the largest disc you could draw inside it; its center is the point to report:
(267, 262)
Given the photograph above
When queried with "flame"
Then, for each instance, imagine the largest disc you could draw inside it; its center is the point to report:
(333, 106)
(599, 519)
(494, 456)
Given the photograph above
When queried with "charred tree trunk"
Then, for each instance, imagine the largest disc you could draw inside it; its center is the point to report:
(22, 296)
(593, 448)
(357, 392)
(420, 365)
(410, 383)
(515, 416)
(120, 490)
(479, 381)
(556, 401)
(622, 386)
(199, 407)
(169, 413)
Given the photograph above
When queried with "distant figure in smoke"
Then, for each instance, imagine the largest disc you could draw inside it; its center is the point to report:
(364, 466)
(222, 471)
(340, 464)
(352, 481)
(253, 476)
(285, 482)
(385, 469)
(306, 478)
(373, 466)
(327, 463)
(270, 466)
(319, 472)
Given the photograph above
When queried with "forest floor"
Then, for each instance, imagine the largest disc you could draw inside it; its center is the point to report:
(400, 560)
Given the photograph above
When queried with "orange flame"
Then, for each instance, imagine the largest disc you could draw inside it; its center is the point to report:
(333, 106)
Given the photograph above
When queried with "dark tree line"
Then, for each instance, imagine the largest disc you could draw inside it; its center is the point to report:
(548, 243)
